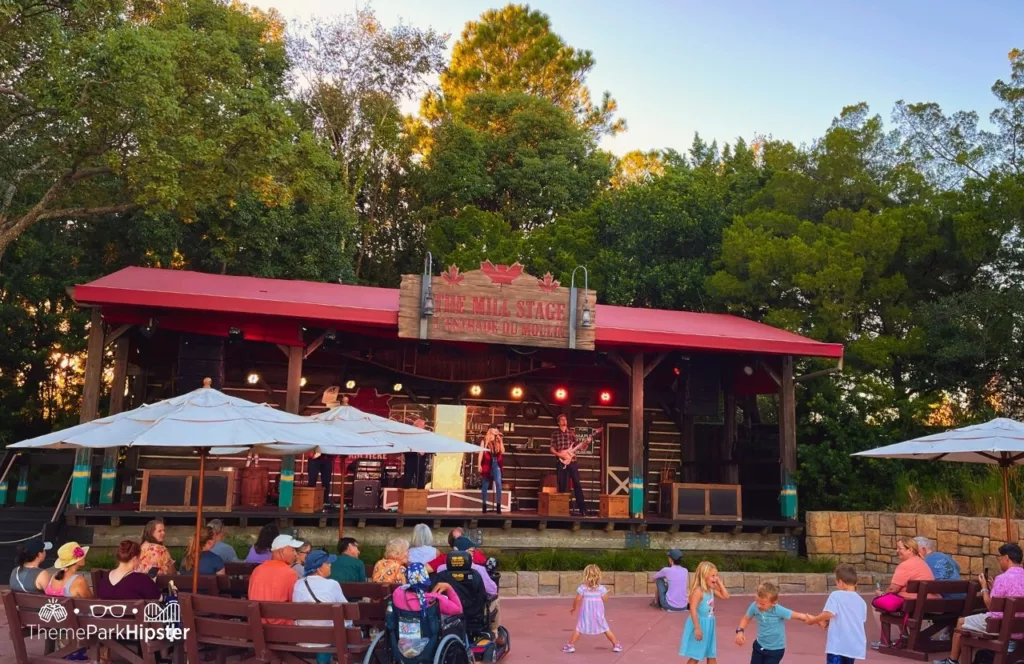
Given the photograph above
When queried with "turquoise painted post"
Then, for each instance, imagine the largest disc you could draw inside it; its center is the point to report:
(21, 495)
(284, 494)
(80, 478)
(109, 477)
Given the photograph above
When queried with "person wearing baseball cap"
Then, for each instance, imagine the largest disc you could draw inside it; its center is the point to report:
(274, 580)
(671, 583)
(317, 586)
(27, 575)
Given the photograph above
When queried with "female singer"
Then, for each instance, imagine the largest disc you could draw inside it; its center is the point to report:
(491, 463)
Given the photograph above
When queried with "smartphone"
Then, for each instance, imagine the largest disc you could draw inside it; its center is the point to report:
(153, 571)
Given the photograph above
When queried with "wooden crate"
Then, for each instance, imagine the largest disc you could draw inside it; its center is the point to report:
(307, 499)
(412, 501)
(701, 502)
(614, 507)
(553, 504)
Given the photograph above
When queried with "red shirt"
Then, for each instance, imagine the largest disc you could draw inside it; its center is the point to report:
(273, 581)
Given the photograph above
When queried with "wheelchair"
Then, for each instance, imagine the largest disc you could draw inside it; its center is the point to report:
(477, 607)
(409, 638)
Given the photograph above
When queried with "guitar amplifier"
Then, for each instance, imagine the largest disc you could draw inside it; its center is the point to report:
(366, 494)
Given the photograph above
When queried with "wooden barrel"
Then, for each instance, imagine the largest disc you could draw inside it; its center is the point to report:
(255, 486)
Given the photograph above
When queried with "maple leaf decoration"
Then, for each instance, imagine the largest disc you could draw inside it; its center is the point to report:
(452, 275)
(548, 284)
(503, 275)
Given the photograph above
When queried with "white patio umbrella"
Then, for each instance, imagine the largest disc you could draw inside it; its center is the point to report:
(405, 438)
(215, 423)
(999, 442)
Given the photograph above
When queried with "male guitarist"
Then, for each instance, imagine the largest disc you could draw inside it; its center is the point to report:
(564, 446)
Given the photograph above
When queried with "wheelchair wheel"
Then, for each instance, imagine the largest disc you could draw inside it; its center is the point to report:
(380, 650)
(452, 650)
(507, 638)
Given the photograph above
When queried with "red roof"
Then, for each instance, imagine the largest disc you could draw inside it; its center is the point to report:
(378, 307)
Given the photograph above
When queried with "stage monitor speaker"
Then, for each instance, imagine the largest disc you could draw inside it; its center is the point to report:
(199, 356)
(366, 494)
(703, 388)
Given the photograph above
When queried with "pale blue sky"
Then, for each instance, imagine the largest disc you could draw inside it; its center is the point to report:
(741, 67)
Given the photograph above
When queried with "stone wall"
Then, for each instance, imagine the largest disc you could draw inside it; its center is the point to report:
(564, 584)
(868, 539)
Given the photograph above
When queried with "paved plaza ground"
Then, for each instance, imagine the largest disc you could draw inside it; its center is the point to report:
(540, 626)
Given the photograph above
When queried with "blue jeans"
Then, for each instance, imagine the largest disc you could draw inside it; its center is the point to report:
(662, 586)
(496, 479)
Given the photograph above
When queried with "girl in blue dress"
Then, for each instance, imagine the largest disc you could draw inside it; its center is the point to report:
(699, 633)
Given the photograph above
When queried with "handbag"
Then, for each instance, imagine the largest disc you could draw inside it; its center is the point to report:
(888, 603)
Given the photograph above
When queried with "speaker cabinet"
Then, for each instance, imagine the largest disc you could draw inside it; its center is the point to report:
(199, 356)
(366, 494)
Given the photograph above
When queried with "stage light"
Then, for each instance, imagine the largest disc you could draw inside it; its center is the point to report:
(397, 387)
(350, 385)
(749, 370)
(475, 390)
(235, 334)
(516, 392)
(252, 378)
(149, 328)
(605, 397)
(561, 394)
(675, 370)
(302, 382)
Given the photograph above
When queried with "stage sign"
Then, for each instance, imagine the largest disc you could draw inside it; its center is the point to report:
(498, 304)
(582, 433)
(449, 421)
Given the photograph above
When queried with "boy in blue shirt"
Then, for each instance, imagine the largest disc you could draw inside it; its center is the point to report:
(770, 644)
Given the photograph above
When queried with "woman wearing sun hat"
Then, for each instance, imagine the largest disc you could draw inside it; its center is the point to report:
(68, 582)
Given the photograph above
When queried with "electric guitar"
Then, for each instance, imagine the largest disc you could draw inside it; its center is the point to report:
(571, 452)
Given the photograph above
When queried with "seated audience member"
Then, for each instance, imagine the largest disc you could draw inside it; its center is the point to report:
(391, 568)
(456, 533)
(421, 547)
(27, 575)
(220, 547)
(911, 568)
(300, 559)
(316, 586)
(348, 568)
(68, 581)
(123, 582)
(672, 583)
(154, 554)
(260, 551)
(274, 580)
(1008, 584)
(490, 587)
(209, 562)
(412, 595)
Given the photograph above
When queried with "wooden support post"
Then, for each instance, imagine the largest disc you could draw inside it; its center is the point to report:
(787, 420)
(90, 408)
(636, 436)
(730, 471)
(108, 480)
(291, 404)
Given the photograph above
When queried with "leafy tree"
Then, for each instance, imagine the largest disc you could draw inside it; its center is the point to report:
(513, 49)
(108, 106)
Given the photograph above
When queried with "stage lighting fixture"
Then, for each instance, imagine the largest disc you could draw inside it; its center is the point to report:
(235, 334)
(675, 370)
(302, 382)
(516, 392)
(561, 394)
(475, 390)
(605, 397)
(149, 328)
(252, 378)
(749, 370)
(397, 387)
(350, 385)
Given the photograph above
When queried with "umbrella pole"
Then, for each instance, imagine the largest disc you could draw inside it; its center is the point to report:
(1006, 502)
(199, 521)
(341, 501)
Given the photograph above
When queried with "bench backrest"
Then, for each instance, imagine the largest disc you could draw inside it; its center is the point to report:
(207, 584)
(1012, 621)
(239, 569)
(922, 605)
(371, 591)
(220, 621)
(345, 639)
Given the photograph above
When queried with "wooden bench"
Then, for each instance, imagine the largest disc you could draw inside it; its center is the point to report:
(239, 569)
(78, 616)
(347, 644)
(924, 618)
(1001, 630)
(222, 625)
(206, 584)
